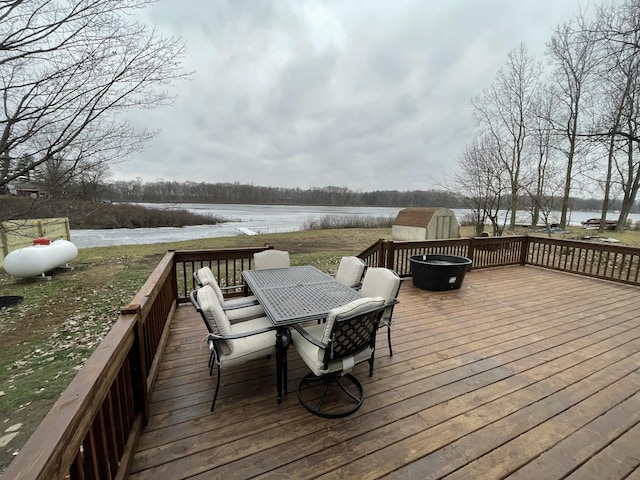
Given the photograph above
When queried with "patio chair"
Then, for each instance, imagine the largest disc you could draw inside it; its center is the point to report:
(231, 344)
(385, 283)
(271, 259)
(331, 350)
(204, 276)
(350, 271)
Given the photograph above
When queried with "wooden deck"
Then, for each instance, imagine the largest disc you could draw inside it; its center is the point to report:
(523, 373)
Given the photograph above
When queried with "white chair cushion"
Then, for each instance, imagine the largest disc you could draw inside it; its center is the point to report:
(253, 347)
(381, 282)
(271, 259)
(314, 356)
(239, 301)
(245, 313)
(350, 271)
(215, 316)
(207, 278)
(353, 308)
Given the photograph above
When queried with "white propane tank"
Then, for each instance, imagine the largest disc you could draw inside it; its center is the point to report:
(37, 259)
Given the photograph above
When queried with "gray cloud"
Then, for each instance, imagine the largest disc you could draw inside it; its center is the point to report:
(309, 93)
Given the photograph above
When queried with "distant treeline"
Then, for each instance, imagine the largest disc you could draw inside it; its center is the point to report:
(237, 193)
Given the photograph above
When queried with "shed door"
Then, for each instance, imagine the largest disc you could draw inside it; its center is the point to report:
(443, 226)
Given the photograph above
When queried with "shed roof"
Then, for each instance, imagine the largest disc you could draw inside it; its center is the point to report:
(415, 216)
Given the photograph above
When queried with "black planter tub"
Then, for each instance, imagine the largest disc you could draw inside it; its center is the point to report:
(438, 272)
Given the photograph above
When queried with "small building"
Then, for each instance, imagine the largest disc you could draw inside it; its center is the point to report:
(25, 190)
(425, 224)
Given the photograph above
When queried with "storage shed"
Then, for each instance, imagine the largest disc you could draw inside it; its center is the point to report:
(425, 224)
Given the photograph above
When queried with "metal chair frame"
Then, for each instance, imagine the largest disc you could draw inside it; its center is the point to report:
(349, 336)
(239, 302)
(213, 339)
(390, 304)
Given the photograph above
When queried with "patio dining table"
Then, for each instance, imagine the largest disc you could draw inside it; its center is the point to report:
(295, 295)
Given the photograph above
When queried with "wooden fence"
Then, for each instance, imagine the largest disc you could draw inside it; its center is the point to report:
(16, 234)
(92, 430)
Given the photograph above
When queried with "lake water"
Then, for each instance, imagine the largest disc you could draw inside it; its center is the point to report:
(254, 218)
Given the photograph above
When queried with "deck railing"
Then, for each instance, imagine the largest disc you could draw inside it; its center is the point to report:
(92, 430)
(617, 263)
(226, 264)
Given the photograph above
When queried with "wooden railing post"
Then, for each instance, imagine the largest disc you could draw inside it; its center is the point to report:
(471, 250)
(389, 254)
(138, 364)
(382, 252)
(524, 249)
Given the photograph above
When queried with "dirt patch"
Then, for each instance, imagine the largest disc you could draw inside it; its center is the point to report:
(29, 320)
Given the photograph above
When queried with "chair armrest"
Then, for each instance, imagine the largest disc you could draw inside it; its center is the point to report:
(197, 279)
(213, 336)
(395, 301)
(308, 337)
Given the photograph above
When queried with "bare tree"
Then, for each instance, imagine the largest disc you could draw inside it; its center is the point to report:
(68, 70)
(91, 182)
(572, 53)
(618, 36)
(543, 186)
(482, 180)
(504, 111)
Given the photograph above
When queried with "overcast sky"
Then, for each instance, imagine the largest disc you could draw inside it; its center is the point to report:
(364, 94)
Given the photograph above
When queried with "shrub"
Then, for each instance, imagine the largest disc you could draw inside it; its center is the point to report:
(91, 215)
(349, 221)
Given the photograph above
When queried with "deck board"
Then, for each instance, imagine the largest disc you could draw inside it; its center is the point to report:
(522, 373)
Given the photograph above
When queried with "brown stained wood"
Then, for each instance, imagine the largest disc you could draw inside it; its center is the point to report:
(484, 426)
(114, 450)
(130, 448)
(634, 475)
(531, 431)
(91, 460)
(64, 428)
(618, 459)
(100, 438)
(585, 443)
(523, 371)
